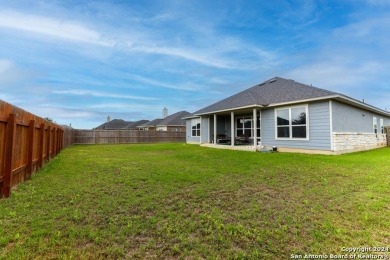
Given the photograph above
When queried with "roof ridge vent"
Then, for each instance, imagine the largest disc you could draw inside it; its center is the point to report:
(272, 80)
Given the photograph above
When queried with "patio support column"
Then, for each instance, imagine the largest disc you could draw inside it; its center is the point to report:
(208, 130)
(232, 128)
(255, 128)
(215, 129)
(200, 137)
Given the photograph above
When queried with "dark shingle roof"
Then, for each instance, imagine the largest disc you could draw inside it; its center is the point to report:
(116, 124)
(273, 91)
(175, 119)
(113, 124)
(133, 125)
(151, 123)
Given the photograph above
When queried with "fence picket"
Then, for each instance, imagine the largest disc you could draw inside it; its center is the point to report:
(30, 149)
(9, 150)
(126, 136)
(22, 145)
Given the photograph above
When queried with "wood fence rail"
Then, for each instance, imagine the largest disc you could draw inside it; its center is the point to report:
(126, 137)
(26, 142)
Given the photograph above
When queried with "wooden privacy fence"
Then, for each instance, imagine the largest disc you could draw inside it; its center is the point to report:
(69, 137)
(26, 142)
(127, 137)
(387, 131)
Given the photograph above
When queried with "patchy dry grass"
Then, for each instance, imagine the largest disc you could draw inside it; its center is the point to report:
(185, 201)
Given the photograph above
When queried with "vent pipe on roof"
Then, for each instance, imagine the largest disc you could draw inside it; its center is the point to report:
(108, 119)
(164, 112)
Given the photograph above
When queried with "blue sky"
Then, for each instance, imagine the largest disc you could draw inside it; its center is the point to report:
(80, 62)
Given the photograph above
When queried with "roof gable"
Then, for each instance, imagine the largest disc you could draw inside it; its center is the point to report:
(152, 123)
(133, 125)
(175, 119)
(113, 124)
(273, 91)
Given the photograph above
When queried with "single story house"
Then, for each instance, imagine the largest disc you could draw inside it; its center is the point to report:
(292, 117)
(133, 125)
(151, 125)
(120, 124)
(174, 122)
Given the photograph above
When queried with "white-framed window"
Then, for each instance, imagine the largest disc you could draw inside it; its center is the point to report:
(292, 123)
(195, 127)
(381, 126)
(375, 124)
(244, 126)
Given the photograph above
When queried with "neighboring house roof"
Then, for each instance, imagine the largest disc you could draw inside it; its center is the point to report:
(113, 124)
(175, 119)
(116, 124)
(279, 91)
(133, 125)
(191, 115)
(151, 123)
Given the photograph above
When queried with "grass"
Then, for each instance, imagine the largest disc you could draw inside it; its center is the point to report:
(186, 201)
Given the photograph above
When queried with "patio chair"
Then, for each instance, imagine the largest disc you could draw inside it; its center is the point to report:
(241, 139)
(222, 139)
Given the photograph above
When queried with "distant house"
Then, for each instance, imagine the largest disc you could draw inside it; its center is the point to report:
(174, 122)
(151, 125)
(290, 116)
(119, 124)
(133, 125)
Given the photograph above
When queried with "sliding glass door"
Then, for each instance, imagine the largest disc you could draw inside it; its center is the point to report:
(244, 126)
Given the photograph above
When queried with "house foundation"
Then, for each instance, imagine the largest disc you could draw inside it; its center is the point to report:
(352, 142)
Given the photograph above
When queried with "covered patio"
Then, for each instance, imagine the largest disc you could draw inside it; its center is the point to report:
(238, 128)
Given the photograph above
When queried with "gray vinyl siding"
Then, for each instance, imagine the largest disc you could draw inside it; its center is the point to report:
(204, 129)
(350, 119)
(189, 138)
(319, 129)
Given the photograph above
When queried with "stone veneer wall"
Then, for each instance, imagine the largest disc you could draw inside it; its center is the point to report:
(350, 142)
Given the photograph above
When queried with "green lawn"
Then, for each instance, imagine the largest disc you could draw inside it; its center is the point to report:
(186, 201)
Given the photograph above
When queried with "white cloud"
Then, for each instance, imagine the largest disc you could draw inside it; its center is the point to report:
(82, 92)
(184, 54)
(9, 98)
(5, 65)
(12, 75)
(160, 83)
(212, 51)
(52, 27)
(379, 2)
(334, 74)
(135, 107)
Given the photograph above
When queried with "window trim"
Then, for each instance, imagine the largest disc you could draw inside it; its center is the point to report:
(381, 126)
(306, 106)
(375, 124)
(252, 125)
(195, 122)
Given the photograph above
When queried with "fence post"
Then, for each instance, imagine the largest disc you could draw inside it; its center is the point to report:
(61, 139)
(30, 149)
(48, 143)
(58, 140)
(40, 146)
(9, 147)
(54, 142)
(97, 137)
